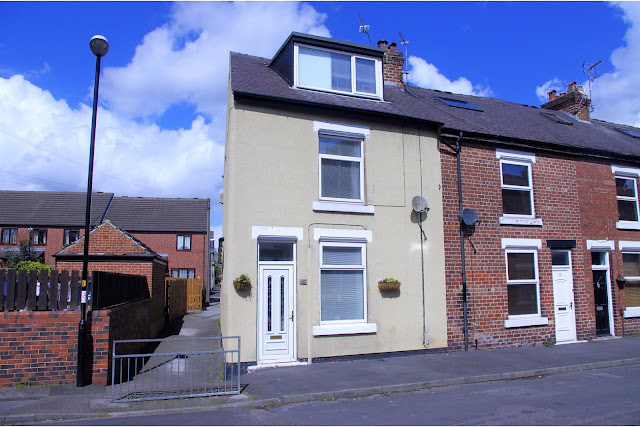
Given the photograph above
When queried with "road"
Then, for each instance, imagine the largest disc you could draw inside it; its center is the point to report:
(598, 397)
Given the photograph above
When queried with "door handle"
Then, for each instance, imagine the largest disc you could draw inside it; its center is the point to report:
(291, 318)
(571, 305)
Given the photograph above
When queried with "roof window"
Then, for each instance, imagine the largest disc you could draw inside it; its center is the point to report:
(555, 118)
(627, 132)
(459, 104)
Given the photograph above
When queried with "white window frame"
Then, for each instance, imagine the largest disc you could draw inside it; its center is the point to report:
(184, 240)
(626, 223)
(359, 160)
(344, 238)
(528, 188)
(523, 246)
(630, 247)
(353, 92)
(627, 172)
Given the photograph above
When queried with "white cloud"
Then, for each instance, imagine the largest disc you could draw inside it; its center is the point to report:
(543, 91)
(426, 75)
(183, 62)
(187, 59)
(616, 95)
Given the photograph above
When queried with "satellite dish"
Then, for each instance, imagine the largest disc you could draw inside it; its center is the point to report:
(469, 217)
(420, 204)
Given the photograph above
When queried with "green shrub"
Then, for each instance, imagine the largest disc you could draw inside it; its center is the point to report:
(33, 265)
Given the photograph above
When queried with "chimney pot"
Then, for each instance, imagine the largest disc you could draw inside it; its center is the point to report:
(552, 95)
(382, 44)
(393, 46)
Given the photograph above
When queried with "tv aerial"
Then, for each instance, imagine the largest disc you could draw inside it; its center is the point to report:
(590, 71)
(420, 206)
(364, 28)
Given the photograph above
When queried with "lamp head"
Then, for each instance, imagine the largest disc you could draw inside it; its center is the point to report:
(99, 45)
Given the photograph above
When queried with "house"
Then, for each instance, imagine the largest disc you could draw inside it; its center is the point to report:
(175, 228)
(318, 185)
(326, 148)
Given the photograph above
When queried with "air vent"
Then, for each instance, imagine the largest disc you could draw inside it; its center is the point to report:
(555, 118)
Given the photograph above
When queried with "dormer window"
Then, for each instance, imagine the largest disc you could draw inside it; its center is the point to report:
(340, 72)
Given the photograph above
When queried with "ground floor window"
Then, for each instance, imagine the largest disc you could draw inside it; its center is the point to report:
(522, 282)
(631, 265)
(183, 273)
(342, 281)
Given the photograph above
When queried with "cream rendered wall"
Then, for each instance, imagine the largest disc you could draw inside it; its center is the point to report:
(271, 179)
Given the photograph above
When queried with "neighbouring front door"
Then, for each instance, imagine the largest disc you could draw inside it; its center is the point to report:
(563, 296)
(276, 314)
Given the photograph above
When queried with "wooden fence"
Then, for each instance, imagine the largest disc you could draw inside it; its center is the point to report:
(39, 291)
(176, 294)
(194, 294)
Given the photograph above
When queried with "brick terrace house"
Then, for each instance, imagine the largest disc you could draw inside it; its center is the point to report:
(174, 228)
(555, 256)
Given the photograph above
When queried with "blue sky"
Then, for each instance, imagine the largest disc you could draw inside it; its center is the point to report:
(164, 81)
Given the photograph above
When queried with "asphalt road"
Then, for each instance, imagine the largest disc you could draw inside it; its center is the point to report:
(598, 397)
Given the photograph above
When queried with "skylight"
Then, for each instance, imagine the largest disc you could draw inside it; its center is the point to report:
(555, 118)
(459, 104)
(627, 132)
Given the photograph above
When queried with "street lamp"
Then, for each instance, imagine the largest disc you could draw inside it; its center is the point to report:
(99, 46)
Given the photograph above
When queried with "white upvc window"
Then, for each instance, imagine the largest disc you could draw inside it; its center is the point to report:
(343, 296)
(341, 166)
(517, 188)
(631, 271)
(627, 195)
(335, 71)
(523, 291)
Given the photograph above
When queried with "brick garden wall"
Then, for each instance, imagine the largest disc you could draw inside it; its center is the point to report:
(40, 347)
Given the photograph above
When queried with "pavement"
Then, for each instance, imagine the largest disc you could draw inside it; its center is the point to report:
(328, 379)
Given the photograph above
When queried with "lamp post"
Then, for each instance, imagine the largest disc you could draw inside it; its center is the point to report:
(29, 244)
(99, 46)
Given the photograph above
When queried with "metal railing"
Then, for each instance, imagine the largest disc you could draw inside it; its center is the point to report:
(205, 366)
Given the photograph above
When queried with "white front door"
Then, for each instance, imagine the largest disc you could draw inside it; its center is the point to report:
(276, 320)
(563, 296)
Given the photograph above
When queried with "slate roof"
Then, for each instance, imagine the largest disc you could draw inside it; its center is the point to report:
(50, 208)
(252, 78)
(133, 214)
(160, 214)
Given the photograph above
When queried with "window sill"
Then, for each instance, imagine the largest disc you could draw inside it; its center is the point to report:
(515, 220)
(628, 225)
(632, 312)
(345, 329)
(342, 207)
(519, 322)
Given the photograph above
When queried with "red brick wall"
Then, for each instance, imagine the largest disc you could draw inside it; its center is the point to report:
(166, 243)
(555, 201)
(55, 240)
(40, 348)
(599, 208)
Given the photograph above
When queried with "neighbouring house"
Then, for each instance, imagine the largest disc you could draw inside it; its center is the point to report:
(113, 250)
(327, 147)
(49, 221)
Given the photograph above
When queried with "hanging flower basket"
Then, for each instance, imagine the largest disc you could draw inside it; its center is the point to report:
(242, 283)
(388, 285)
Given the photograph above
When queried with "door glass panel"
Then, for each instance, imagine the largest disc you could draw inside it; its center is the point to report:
(598, 258)
(274, 251)
(269, 286)
(559, 258)
(282, 314)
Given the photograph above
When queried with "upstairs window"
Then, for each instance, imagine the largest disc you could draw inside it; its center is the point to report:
(627, 195)
(517, 190)
(340, 72)
(341, 168)
(184, 243)
(71, 236)
(38, 237)
(9, 236)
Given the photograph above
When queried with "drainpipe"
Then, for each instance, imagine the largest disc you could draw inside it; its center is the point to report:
(462, 252)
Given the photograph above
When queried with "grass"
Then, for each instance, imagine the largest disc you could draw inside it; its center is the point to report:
(23, 384)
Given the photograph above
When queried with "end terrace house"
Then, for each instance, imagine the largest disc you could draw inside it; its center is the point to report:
(324, 154)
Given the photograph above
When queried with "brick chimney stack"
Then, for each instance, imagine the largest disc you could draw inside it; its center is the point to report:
(392, 64)
(574, 102)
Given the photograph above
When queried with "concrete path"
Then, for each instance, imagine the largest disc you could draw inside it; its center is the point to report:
(326, 380)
